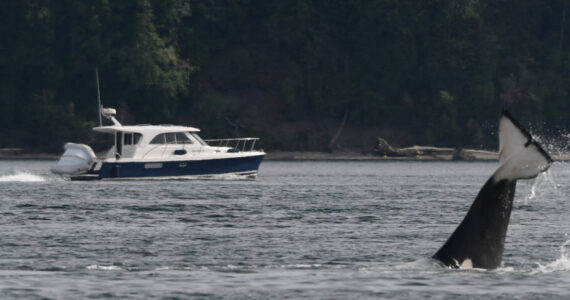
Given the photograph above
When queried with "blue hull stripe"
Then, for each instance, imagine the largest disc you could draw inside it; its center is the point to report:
(178, 168)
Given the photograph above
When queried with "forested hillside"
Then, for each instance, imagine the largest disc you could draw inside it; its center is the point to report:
(301, 74)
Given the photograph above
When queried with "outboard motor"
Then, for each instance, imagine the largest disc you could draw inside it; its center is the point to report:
(77, 159)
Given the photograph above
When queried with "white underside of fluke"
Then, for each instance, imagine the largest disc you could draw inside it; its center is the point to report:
(77, 159)
(520, 156)
(525, 164)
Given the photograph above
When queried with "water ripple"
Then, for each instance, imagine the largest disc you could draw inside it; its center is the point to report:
(333, 230)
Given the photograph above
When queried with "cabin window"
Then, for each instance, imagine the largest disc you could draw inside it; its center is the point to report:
(131, 138)
(171, 138)
(159, 139)
(136, 138)
(199, 139)
(182, 138)
(127, 138)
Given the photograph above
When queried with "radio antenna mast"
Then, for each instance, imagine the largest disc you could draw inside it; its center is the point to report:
(98, 96)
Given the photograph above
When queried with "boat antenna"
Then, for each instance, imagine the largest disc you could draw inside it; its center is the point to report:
(98, 96)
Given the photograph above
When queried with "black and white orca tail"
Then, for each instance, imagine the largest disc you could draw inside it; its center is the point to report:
(478, 241)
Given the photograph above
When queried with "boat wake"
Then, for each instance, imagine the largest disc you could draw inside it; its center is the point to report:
(218, 177)
(21, 176)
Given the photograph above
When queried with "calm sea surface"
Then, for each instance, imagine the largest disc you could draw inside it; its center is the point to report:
(318, 230)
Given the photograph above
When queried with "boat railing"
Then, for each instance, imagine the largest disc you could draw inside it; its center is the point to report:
(236, 144)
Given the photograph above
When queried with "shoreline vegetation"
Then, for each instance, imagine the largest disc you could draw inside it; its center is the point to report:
(432, 155)
(415, 153)
(300, 75)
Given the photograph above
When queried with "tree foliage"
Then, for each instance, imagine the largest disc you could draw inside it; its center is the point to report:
(439, 70)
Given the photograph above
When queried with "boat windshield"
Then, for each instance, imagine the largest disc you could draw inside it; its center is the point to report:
(171, 138)
(198, 138)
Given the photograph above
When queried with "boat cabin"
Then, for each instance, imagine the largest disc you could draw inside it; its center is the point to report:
(154, 142)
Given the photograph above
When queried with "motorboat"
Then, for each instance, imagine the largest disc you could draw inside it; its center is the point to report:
(159, 152)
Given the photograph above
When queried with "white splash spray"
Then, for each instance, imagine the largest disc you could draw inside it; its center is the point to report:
(104, 268)
(561, 264)
(20, 176)
(541, 183)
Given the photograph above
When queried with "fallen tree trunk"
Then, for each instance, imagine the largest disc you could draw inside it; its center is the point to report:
(383, 148)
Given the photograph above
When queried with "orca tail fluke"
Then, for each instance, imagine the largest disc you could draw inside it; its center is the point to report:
(478, 241)
(521, 156)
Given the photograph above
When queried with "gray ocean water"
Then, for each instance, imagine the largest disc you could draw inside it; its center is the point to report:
(315, 230)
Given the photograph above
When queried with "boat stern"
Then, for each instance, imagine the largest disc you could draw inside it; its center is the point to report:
(76, 160)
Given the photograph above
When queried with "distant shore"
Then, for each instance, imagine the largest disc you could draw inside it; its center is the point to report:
(471, 154)
(20, 153)
(477, 155)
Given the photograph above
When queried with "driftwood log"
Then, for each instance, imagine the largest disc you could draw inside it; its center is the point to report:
(383, 148)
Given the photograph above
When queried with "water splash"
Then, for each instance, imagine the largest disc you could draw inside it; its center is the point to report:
(557, 144)
(532, 193)
(104, 268)
(560, 264)
(20, 176)
(541, 183)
